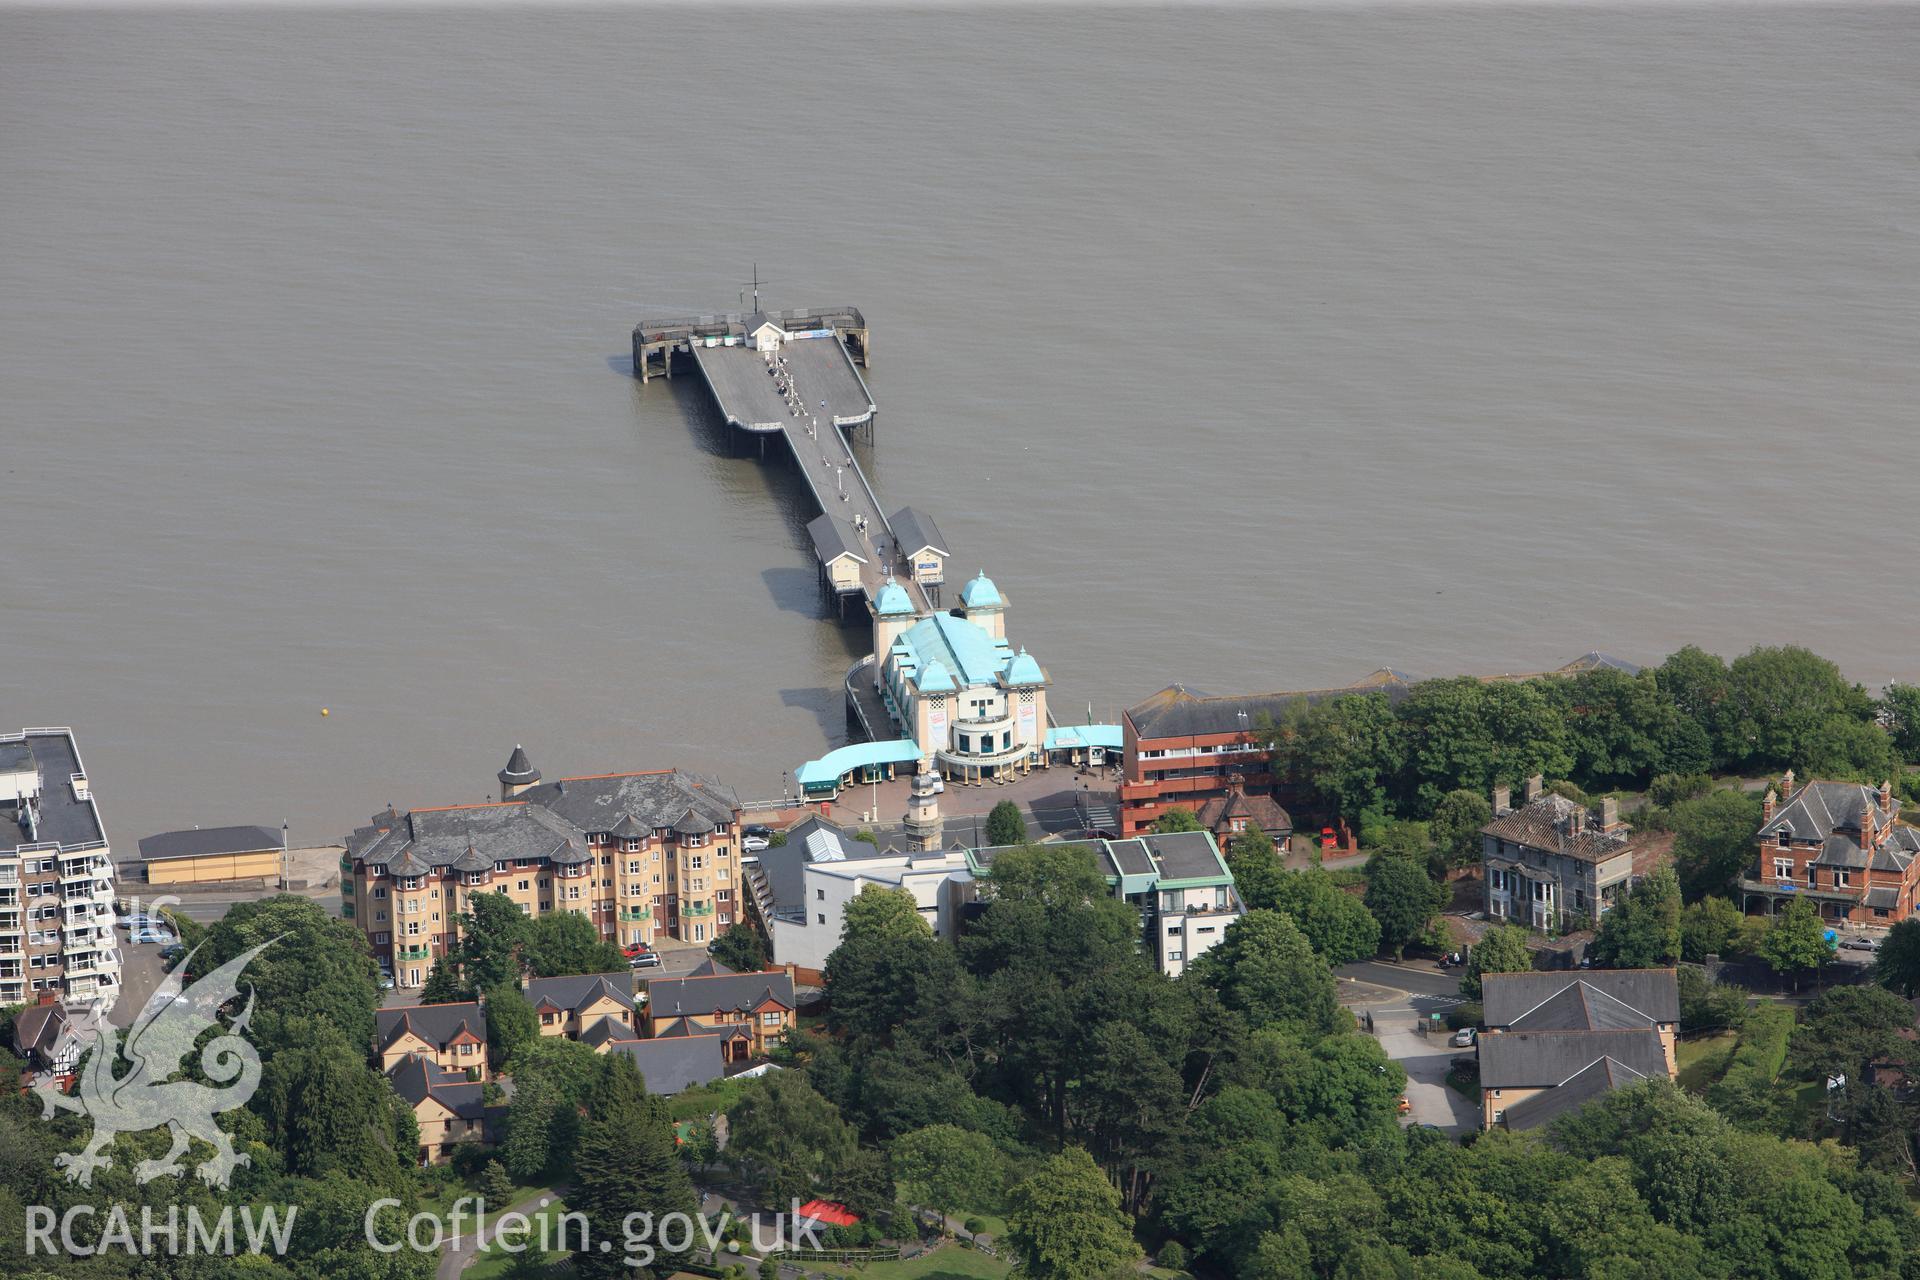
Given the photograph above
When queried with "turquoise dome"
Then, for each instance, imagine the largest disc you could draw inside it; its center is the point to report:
(893, 601)
(936, 679)
(980, 593)
(1024, 670)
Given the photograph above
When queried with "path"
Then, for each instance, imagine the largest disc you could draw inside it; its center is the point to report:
(461, 1250)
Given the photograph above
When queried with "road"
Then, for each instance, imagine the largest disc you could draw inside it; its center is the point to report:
(1442, 986)
(1426, 1060)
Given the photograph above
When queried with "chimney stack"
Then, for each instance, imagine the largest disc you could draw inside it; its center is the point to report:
(1502, 801)
(1866, 827)
(1609, 814)
(1576, 821)
(1767, 804)
(1786, 785)
(1886, 795)
(1535, 785)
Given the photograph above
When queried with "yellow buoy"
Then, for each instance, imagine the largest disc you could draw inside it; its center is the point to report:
(325, 712)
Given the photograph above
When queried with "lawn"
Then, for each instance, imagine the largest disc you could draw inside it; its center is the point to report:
(1704, 1060)
(493, 1263)
(949, 1262)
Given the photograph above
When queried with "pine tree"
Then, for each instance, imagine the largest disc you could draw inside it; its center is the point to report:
(624, 1163)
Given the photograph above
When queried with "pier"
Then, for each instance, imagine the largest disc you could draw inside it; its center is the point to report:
(794, 376)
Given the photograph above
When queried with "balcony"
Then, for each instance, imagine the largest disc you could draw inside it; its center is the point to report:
(696, 908)
(412, 951)
(634, 914)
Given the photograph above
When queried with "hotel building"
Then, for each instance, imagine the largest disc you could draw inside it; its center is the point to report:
(644, 856)
(56, 877)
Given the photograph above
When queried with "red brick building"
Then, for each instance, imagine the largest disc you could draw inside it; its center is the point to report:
(1839, 845)
(1184, 748)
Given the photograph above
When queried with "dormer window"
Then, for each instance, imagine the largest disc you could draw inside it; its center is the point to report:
(1780, 837)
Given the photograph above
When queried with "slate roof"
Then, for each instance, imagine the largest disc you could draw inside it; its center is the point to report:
(1547, 824)
(669, 1066)
(549, 820)
(914, 530)
(1581, 1007)
(577, 991)
(784, 866)
(607, 1029)
(1179, 712)
(417, 1078)
(37, 1031)
(519, 770)
(1260, 810)
(711, 968)
(1885, 898)
(208, 841)
(731, 992)
(1600, 1077)
(684, 1027)
(1543, 1059)
(437, 1024)
(1819, 809)
(834, 538)
(1506, 997)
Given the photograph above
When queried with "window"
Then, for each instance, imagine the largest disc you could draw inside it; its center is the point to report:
(1841, 879)
(1173, 931)
(1496, 1093)
(1499, 1114)
(524, 886)
(699, 862)
(820, 895)
(1812, 875)
(1780, 837)
(1176, 955)
(1783, 868)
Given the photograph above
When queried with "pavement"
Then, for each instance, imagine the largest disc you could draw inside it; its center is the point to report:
(1049, 796)
(1400, 996)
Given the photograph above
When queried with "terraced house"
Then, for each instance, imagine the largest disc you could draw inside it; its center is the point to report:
(1840, 846)
(748, 1012)
(644, 856)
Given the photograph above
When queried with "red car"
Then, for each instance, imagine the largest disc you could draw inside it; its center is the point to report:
(635, 950)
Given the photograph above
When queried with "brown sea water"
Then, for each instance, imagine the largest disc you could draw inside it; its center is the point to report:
(1250, 348)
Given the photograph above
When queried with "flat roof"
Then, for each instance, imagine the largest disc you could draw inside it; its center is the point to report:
(63, 818)
(202, 842)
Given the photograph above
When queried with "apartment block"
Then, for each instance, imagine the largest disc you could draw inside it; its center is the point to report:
(644, 856)
(56, 877)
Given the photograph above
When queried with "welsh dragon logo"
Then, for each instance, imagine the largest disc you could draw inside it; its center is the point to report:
(144, 1098)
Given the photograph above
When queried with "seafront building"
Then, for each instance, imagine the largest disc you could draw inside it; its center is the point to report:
(644, 856)
(56, 878)
(1840, 846)
(1554, 865)
(1179, 883)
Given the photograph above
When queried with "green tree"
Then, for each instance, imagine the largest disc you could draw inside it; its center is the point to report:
(1265, 969)
(1256, 867)
(1642, 931)
(1335, 922)
(889, 976)
(530, 1148)
(878, 911)
(787, 1140)
(561, 943)
(1065, 1223)
(314, 967)
(1344, 749)
(496, 1187)
(1797, 941)
(1779, 699)
(1502, 950)
(1006, 824)
(1455, 827)
(1623, 729)
(1842, 746)
(1466, 734)
(1700, 687)
(1708, 1006)
(327, 1112)
(511, 1023)
(741, 948)
(1897, 966)
(1900, 705)
(1848, 1028)
(626, 1163)
(1174, 820)
(492, 931)
(946, 1169)
(444, 985)
(1402, 898)
(1708, 927)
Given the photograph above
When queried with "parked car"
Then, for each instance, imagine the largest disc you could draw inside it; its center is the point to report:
(1860, 942)
(144, 937)
(1463, 1038)
(754, 844)
(172, 951)
(760, 829)
(645, 960)
(1404, 1105)
(144, 921)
